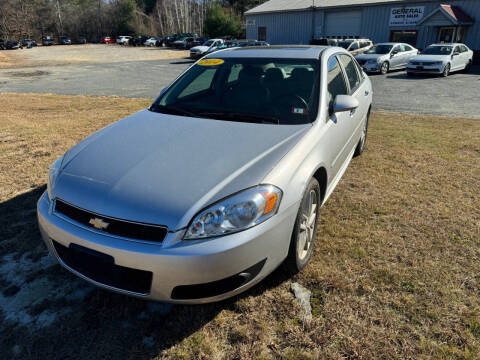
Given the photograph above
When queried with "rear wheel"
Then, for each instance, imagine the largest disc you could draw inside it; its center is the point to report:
(446, 71)
(384, 68)
(468, 66)
(305, 229)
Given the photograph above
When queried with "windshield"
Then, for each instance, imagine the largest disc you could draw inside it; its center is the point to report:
(437, 50)
(379, 49)
(208, 43)
(345, 44)
(260, 90)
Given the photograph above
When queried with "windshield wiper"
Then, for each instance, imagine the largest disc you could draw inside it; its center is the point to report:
(172, 110)
(242, 117)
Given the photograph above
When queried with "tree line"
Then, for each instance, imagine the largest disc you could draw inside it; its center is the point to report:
(96, 18)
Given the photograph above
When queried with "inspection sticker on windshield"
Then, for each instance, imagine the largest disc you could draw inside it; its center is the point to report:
(299, 111)
(211, 62)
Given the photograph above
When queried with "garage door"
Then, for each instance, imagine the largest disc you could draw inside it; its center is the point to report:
(343, 23)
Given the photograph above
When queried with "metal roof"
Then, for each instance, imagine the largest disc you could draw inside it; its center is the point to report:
(296, 5)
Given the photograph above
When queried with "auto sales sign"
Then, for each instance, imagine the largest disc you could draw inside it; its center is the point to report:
(406, 16)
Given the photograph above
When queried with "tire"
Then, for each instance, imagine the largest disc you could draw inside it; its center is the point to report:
(305, 230)
(363, 140)
(468, 67)
(384, 68)
(446, 71)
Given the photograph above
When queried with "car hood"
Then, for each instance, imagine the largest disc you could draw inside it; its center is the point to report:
(430, 58)
(200, 48)
(371, 56)
(163, 169)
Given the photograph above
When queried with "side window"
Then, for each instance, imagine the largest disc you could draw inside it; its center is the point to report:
(457, 49)
(354, 46)
(396, 49)
(234, 72)
(336, 80)
(408, 48)
(351, 71)
(201, 83)
(464, 48)
(364, 44)
(403, 48)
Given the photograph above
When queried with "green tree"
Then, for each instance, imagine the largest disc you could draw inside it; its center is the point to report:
(218, 22)
(125, 16)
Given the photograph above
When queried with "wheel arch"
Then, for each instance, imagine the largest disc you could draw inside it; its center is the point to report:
(322, 177)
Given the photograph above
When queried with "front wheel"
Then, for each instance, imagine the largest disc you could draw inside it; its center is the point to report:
(363, 139)
(384, 68)
(446, 71)
(305, 229)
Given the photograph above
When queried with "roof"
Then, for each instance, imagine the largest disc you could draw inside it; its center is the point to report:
(285, 52)
(453, 13)
(295, 5)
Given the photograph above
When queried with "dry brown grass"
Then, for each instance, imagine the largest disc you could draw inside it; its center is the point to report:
(394, 274)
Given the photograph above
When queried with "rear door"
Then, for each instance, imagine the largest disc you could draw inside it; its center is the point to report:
(457, 59)
(396, 57)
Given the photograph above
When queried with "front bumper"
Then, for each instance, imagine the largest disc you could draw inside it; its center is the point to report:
(428, 69)
(370, 68)
(176, 265)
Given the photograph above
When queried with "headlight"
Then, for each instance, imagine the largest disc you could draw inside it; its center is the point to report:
(52, 175)
(236, 213)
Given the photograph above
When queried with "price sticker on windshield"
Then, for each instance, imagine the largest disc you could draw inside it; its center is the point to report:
(299, 111)
(211, 62)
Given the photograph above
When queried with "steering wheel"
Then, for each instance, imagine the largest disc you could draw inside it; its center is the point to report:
(292, 96)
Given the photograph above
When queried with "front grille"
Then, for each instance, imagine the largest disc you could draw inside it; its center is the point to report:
(118, 227)
(101, 268)
(424, 63)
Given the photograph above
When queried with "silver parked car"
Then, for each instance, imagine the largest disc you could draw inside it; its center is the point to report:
(219, 182)
(441, 59)
(386, 56)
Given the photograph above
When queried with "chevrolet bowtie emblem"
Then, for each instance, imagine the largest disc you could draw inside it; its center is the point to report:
(98, 223)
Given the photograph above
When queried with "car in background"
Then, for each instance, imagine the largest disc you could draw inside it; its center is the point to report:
(47, 40)
(237, 44)
(199, 41)
(13, 45)
(28, 43)
(81, 40)
(386, 56)
(152, 41)
(222, 181)
(441, 59)
(355, 46)
(139, 40)
(123, 40)
(2, 44)
(198, 51)
(184, 43)
(107, 40)
(325, 42)
(64, 40)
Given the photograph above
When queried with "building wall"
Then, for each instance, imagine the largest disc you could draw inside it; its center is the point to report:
(297, 27)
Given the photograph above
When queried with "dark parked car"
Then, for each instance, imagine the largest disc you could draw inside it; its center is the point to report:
(13, 45)
(2, 44)
(140, 40)
(47, 41)
(29, 43)
(81, 40)
(65, 40)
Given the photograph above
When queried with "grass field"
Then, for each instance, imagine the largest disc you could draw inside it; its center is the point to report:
(395, 273)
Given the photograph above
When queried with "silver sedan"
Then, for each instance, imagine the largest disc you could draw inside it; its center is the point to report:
(386, 56)
(219, 182)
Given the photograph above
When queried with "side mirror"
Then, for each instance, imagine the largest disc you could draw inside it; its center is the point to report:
(395, 52)
(344, 103)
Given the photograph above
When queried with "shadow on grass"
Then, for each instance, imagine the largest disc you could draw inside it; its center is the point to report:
(97, 323)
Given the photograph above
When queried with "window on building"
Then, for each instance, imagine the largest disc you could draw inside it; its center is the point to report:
(262, 33)
(351, 71)
(404, 36)
(336, 80)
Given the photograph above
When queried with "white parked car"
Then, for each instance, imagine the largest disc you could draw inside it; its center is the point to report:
(153, 41)
(386, 56)
(441, 59)
(199, 51)
(123, 40)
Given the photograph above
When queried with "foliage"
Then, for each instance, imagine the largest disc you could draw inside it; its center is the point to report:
(219, 23)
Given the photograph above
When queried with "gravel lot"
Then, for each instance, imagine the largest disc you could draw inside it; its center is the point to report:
(103, 70)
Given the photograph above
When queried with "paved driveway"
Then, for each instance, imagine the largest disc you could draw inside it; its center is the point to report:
(457, 95)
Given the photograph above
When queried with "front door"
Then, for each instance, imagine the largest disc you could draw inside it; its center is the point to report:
(446, 35)
(262, 33)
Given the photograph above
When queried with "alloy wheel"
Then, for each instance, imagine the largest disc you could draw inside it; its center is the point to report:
(384, 68)
(446, 71)
(307, 225)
